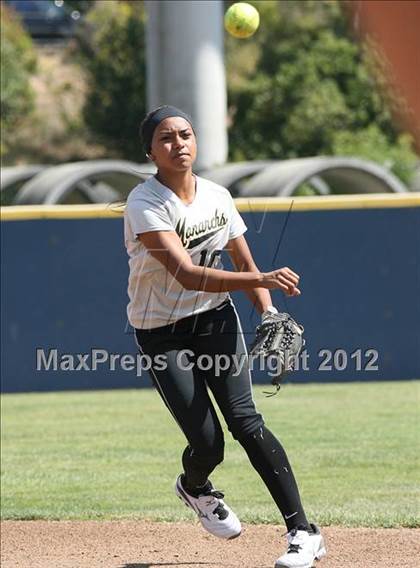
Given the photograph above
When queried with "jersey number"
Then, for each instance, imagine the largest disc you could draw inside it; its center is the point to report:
(209, 262)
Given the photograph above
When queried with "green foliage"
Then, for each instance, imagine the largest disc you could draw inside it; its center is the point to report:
(18, 62)
(306, 88)
(112, 50)
(372, 144)
(82, 6)
(300, 87)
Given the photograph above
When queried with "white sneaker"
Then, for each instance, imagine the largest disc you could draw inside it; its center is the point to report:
(303, 549)
(215, 516)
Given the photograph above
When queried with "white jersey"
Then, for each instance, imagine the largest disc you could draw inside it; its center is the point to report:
(204, 227)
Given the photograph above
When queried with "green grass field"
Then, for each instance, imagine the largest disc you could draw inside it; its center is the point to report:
(115, 454)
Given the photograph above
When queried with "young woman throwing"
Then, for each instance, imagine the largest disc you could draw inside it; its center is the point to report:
(176, 226)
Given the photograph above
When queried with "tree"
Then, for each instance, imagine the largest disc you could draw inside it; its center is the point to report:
(112, 50)
(304, 87)
(82, 6)
(18, 62)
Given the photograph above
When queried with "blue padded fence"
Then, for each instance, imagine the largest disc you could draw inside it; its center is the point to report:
(64, 287)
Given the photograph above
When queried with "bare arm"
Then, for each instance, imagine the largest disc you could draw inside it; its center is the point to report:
(167, 248)
(243, 261)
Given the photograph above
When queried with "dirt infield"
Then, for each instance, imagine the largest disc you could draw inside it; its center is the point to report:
(141, 544)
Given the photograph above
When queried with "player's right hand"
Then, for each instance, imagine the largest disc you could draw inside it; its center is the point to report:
(284, 279)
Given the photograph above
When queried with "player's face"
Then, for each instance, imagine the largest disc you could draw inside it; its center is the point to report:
(174, 146)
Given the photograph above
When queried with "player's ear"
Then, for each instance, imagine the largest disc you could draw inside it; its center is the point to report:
(150, 156)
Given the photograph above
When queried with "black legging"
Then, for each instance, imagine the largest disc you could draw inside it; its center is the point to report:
(214, 339)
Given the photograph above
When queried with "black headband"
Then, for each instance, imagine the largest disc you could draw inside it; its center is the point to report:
(154, 118)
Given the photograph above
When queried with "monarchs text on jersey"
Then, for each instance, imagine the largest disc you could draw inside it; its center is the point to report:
(204, 228)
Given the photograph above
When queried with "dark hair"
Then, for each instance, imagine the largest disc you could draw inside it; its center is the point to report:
(154, 118)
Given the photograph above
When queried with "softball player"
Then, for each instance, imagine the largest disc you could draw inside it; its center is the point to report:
(176, 226)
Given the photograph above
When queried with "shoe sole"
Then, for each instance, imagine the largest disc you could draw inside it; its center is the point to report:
(321, 553)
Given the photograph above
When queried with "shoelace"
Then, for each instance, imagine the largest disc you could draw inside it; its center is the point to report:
(214, 493)
(293, 548)
(220, 511)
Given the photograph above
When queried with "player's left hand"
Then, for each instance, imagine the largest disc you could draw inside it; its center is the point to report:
(278, 335)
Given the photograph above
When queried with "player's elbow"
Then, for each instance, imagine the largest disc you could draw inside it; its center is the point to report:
(186, 277)
(187, 283)
(195, 278)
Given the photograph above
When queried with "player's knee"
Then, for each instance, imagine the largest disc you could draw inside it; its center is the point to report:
(204, 457)
(216, 455)
(219, 456)
(245, 426)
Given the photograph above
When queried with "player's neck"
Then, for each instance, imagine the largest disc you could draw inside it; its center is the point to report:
(181, 183)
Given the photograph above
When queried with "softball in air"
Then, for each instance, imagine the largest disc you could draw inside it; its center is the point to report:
(242, 20)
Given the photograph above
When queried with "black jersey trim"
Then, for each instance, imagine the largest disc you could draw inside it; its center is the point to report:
(194, 242)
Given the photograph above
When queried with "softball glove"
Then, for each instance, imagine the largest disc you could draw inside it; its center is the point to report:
(279, 336)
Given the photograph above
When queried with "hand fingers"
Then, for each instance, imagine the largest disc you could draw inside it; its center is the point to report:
(287, 281)
(290, 271)
(289, 290)
(296, 292)
(289, 275)
(288, 286)
(292, 280)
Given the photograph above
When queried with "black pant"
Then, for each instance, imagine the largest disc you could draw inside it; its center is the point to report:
(208, 351)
